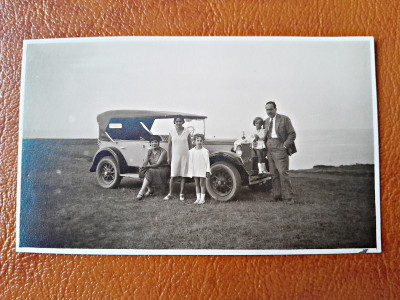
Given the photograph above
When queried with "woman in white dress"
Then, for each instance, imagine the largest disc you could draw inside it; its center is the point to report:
(178, 155)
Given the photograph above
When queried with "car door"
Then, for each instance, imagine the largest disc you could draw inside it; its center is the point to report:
(134, 151)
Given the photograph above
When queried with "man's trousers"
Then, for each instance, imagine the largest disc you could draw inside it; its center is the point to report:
(278, 161)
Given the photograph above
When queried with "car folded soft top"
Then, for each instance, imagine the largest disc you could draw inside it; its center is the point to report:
(132, 120)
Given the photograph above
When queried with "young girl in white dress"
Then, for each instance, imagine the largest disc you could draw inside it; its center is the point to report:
(199, 167)
(258, 137)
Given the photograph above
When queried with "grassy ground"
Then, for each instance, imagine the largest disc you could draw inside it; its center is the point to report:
(68, 209)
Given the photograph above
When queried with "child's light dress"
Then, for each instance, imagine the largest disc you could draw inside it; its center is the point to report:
(199, 162)
(259, 144)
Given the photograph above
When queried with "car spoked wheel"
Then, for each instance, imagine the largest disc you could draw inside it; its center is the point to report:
(108, 173)
(224, 182)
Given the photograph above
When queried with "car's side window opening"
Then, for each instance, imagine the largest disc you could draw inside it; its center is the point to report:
(164, 126)
(136, 129)
(129, 128)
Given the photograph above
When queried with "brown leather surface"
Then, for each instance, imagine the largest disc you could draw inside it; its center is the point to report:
(248, 277)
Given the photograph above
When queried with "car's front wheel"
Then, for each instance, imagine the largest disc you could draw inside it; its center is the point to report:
(107, 172)
(224, 183)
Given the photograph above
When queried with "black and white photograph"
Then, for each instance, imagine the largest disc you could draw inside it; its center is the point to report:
(199, 146)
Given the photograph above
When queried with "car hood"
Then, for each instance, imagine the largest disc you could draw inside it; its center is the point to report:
(219, 141)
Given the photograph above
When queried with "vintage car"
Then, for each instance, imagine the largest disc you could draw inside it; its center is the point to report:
(123, 143)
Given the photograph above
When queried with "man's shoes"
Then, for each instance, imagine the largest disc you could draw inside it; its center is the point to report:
(278, 198)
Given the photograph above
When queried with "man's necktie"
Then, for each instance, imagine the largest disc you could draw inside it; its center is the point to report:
(270, 128)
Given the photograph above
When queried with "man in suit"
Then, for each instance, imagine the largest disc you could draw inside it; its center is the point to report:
(280, 145)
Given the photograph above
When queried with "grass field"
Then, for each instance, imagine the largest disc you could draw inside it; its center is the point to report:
(62, 206)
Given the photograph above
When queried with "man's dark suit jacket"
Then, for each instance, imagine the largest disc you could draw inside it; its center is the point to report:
(285, 131)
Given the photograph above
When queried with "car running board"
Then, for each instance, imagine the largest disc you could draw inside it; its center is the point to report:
(259, 178)
(130, 175)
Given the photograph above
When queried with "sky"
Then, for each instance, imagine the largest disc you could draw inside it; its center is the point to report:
(320, 83)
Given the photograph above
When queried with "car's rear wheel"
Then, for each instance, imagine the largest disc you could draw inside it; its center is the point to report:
(107, 172)
(224, 183)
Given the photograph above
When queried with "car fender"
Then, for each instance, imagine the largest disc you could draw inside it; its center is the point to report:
(230, 157)
(226, 154)
(109, 151)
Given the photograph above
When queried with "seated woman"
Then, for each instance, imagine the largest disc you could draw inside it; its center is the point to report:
(154, 167)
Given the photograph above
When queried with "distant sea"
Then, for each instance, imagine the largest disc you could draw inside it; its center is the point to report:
(314, 147)
(333, 147)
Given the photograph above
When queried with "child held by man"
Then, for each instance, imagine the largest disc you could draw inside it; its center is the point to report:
(199, 167)
(258, 137)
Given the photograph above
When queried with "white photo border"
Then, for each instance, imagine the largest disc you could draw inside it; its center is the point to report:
(205, 252)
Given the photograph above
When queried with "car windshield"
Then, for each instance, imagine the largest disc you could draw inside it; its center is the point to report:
(164, 126)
